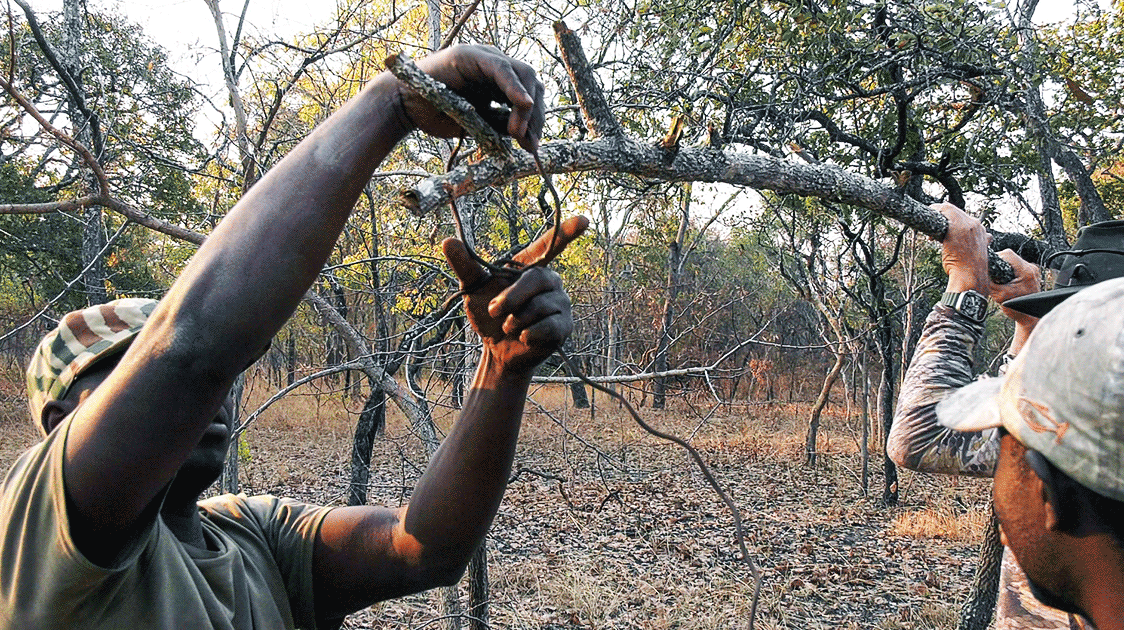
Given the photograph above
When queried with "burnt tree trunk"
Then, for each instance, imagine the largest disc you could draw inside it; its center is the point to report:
(479, 590)
(371, 422)
(290, 358)
(671, 292)
(980, 605)
(577, 388)
(229, 481)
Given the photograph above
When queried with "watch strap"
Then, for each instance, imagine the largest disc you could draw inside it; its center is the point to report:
(971, 304)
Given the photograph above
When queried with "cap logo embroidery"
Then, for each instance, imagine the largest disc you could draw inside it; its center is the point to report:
(1026, 406)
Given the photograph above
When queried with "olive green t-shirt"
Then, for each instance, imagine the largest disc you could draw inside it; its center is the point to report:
(260, 577)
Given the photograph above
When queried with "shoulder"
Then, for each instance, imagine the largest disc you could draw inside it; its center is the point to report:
(33, 486)
(267, 515)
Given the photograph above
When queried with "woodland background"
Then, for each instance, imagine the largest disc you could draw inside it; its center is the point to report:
(770, 329)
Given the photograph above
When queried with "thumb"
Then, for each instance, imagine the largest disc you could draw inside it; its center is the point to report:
(569, 230)
(468, 271)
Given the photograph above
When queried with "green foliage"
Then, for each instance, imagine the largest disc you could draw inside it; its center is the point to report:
(1082, 62)
(146, 117)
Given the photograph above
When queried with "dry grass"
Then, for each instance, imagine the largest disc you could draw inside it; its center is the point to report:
(16, 430)
(944, 522)
(607, 527)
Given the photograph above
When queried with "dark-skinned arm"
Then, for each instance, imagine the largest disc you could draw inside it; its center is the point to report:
(368, 554)
(129, 438)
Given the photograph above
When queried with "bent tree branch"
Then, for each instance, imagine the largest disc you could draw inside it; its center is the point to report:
(616, 152)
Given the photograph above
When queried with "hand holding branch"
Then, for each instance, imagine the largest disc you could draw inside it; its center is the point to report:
(482, 75)
(964, 256)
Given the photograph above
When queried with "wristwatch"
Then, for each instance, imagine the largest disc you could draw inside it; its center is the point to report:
(968, 303)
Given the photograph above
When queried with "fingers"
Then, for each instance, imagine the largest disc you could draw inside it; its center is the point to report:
(535, 308)
(483, 74)
(532, 283)
(526, 123)
(468, 270)
(1027, 278)
(551, 331)
(964, 250)
(1018, 263)
(535, 311)
(570, 229)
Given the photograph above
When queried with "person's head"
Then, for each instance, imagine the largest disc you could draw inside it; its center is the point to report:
(85, 346)
(74, 359)
(1097, 255)
(1059, 483)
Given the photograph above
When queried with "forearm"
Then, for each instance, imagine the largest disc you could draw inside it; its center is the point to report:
(368, 554)
(249, 276)
(942, 363)
(457, 497)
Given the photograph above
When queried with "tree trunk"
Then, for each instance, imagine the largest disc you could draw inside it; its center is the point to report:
(371, 422)
(818, 407)
(864, 448)
(92, 226)
(980, 605)
(241, 134)
(460, 366)
(478, 589)
(671, 292)
(229, 481)
(577, 389)
(290, 358)
(449, 600)
(886, 409)
(1049, 148)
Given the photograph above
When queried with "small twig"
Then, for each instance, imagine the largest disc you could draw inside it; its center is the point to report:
(456, 30)
(557, 211)
(531, 471)
(78, 147)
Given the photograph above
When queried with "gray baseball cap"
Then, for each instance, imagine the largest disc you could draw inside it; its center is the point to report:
(1063, 395)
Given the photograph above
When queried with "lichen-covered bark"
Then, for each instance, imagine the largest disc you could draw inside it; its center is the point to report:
(449, 103)
(700, 164)
(598, 115)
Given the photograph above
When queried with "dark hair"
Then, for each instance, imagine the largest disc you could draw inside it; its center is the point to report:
(1109, 512)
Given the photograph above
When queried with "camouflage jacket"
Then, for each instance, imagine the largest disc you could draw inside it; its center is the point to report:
(942, 363)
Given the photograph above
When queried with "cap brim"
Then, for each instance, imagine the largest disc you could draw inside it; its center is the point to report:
(1038, 304)
(974, 407)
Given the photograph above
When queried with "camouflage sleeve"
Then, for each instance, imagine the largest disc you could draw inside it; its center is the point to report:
(942, 363)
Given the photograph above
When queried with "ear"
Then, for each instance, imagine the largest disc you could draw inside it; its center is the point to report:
(1059, 505)
(53, 413)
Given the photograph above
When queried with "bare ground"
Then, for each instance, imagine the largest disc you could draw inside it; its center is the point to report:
(627, 535)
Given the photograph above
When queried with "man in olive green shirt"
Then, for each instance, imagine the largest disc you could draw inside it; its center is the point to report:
(100, 524)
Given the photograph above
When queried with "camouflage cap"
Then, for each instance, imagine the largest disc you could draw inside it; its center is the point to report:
(81, 339)
(1063, 396)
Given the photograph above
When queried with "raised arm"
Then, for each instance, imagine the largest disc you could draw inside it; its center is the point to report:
(367, 554)
(130, 437)
(942, 361)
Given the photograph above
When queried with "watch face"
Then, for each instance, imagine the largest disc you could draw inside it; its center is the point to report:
(974, 306)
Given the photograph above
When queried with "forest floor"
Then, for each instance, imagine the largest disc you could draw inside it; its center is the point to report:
(607, 527)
